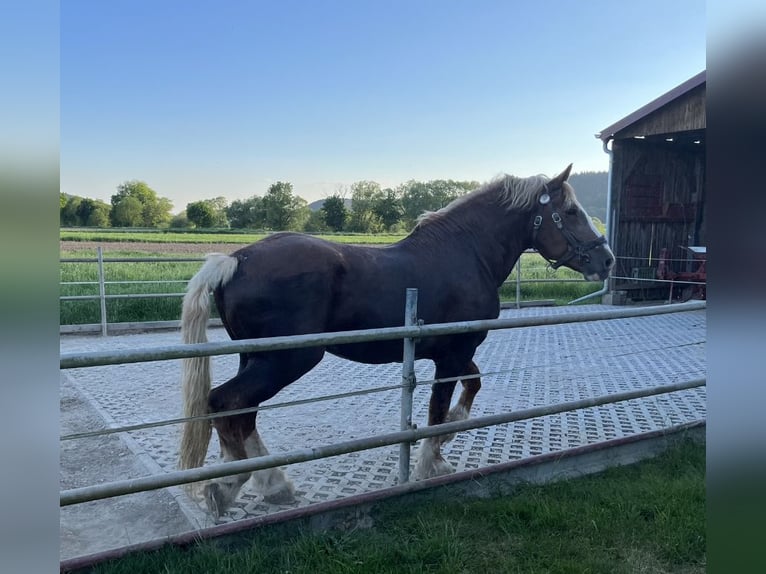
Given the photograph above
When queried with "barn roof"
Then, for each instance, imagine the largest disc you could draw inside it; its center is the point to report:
(656, 104)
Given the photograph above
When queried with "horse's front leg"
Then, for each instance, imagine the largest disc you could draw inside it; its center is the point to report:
(462, 409)
(429, 460)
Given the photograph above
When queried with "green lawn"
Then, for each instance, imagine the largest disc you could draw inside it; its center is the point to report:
(170, 277)
(644, 518)
(238, 236)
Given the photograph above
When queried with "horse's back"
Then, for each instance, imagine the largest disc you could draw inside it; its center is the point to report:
(290, 283)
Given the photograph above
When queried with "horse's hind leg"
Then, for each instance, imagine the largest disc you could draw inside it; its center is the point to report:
(259, 380)
(462, 409)
(232, 431)
(272, 483)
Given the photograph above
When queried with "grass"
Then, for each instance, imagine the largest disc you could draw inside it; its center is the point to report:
(229, 236)
(644, 518)
(124, 310)
(169, 308)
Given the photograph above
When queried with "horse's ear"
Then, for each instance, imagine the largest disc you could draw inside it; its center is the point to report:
(558, 181)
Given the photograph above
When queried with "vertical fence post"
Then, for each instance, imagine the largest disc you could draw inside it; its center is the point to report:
(518, 282)
(408, 382)
(102, 290)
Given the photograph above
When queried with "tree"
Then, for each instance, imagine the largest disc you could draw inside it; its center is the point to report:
(418, 197)
(219, 205)
(388, 208)
(93, 213)
(316, 223)
(68, 214)
(180, 221)
(79, 211)
(246, 214)
(208, 212)
(200, 213)
(157, 213)
(363, 218)
(301, 214)
(282, 209)
(128, 212)
(334, 212)
(154, 211)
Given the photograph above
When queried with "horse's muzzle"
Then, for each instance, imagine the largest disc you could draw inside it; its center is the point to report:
(598, 263)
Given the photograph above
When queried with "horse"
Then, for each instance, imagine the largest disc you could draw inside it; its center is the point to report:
(291, 284)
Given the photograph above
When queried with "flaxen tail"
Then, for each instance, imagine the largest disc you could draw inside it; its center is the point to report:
(217, 270)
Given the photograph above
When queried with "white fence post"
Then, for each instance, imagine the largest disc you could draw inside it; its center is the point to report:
(102, 290)
(408, 382)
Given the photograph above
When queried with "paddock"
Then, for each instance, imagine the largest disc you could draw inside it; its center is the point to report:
(522, 368)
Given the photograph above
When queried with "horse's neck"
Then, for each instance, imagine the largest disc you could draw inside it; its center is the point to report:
(505, 241)
(497, 238)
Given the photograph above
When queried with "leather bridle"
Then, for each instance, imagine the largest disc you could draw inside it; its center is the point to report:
(576, 248)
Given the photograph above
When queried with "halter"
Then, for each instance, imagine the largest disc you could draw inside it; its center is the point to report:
(576, 247)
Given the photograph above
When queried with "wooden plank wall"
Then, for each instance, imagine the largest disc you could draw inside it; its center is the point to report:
(658, 201)
(686, 113)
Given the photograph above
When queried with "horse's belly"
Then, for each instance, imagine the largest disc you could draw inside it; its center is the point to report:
(374, 352)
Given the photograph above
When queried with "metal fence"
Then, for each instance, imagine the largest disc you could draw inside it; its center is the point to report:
(410, 333)
(103, 297)
(643, 273)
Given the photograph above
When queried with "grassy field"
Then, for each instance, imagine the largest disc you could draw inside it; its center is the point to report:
(170, 277)
(231, 236)
(645, 518)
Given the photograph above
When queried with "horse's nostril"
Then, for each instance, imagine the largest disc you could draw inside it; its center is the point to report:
(608, 263)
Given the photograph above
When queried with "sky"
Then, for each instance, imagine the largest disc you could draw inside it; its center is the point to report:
(202, 99)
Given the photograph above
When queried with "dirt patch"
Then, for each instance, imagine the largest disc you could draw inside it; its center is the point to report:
(177, 248)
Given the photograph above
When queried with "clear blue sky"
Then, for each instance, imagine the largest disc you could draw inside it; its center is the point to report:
(203, 98)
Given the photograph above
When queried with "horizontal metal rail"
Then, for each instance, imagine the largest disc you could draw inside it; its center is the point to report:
(133, 259)
(655, 259)
(153, 259)
(658, 280)
(102, 283)
(99, 358)
(137, 282)
(154, 482)
(561, 280)
(359, 392)
(124, 296)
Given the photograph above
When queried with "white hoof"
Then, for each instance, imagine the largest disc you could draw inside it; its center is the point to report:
(430, 462)
(436, 467)
(275, 487)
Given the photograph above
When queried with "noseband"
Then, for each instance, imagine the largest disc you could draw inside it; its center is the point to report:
(576, 247)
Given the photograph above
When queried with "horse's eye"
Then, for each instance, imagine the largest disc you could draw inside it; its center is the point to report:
(572, 211)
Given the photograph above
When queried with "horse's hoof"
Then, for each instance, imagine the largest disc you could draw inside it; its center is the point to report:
(436, 467)
(285, 494)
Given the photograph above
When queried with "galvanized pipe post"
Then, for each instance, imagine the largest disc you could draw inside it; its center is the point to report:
(518, 282)
(102, 290)
(408, 382)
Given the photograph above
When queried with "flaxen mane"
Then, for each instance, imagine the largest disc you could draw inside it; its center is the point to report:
(510, 192)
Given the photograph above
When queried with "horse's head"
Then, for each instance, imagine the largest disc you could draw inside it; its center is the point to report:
(564, 234)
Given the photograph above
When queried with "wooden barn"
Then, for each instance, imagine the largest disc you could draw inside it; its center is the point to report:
(657, 196)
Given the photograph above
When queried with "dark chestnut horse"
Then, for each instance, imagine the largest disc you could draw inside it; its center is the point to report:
(289, 284)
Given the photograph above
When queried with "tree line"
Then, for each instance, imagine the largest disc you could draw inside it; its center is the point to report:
(363, 207)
